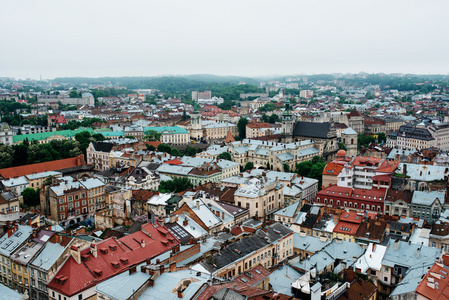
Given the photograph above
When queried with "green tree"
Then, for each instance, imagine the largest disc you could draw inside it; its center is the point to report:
(175, 152)
(6, 156)
(164, 148)
(150, 147)
(30, 197)
(317, 159)
(249, 166)
(273, 118)
(304, 168)
(342, 146)
(189, 151)
(286, 168)
(98, 137)
(265, 118)
(152, 135)
(317, 172)
(241, 127)
(176, 185)
(74, 94)
(225, 155)
(381, 137)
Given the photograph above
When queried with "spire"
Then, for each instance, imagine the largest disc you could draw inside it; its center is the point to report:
(229, 137)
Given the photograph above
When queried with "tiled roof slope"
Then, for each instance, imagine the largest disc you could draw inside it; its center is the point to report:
(42, 167)
(152, 240)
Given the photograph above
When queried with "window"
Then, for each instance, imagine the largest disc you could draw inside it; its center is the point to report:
(61, 200)
(61, 208)
(70, 198)
(434, 244)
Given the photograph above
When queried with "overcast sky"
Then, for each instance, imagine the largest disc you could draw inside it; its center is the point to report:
(93, 38)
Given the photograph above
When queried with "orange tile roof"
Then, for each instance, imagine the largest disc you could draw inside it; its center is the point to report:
(42, 167)
(435, 284)
(229, 137)
(332, 169)
(346, 228)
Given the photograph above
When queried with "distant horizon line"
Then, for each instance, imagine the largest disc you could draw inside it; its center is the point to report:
(236, 76)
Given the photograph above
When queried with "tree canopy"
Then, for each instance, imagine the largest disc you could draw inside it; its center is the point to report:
(225, 155)
(241, 127)
(176, 185)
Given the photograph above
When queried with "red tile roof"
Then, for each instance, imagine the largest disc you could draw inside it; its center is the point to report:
(435, 285)
(153, 143)
(346, 228)
(114, 256)
(43, 167)
(332, 169)
(173, 162)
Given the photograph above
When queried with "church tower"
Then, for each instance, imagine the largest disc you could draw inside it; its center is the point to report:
(349, 139)
(195, 123)
(287, 123)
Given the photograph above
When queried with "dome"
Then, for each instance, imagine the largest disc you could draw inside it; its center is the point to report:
(341, 152)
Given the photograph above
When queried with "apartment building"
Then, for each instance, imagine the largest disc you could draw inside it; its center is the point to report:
(257, 129)
(265, 247)
(98, 155)
(12, 240)
(261, 197)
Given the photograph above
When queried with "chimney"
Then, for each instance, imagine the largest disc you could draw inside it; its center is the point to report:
(198, 204)
(142, 243)
(132, 269)
(396, 245)
(222, 215)
(180, 295)
(93, 249)
(374, 247)
(11, 231)
(76, 254)
(173, 266)
(59, 237)
(404, 169)
(162, 269)
(185, 222)
(418, 252)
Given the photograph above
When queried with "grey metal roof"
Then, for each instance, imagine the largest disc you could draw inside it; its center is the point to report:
(312, 130)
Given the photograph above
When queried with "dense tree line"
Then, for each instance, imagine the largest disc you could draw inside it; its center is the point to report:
(86, 122)
(32, 152)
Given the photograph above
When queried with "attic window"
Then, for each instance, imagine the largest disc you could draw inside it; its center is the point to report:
(115, 264)
(165, 242)
(113, 248)
(171, 240)
(104, 250)
(61, 279)
(85, 257)
(98, 272)
(124, 260)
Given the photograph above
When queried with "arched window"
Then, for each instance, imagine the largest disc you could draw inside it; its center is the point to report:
(355, 205)
(332, 201)
(350, 204)
(378, 208)
(352, 141)
(345, 203)
(338, 202)
(363, 206)
(367, 206)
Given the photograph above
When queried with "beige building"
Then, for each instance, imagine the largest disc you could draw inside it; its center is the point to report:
(274, 155)
(261, 198)
(257, 129)
(98, 155)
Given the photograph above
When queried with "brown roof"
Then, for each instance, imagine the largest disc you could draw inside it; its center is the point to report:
(435, 285)
(372, 230)
(258, 125)
(394, 195)
(229, 137)
(42, 167)
(359, 288)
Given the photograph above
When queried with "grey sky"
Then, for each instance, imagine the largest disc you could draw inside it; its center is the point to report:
(246, 37)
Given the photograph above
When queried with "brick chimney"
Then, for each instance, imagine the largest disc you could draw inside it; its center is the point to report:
(142, 243)
(185, 222)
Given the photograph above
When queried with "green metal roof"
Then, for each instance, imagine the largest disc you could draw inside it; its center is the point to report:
(44, 135)
(169, 129)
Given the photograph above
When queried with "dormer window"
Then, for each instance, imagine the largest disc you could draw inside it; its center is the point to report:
(98, 272)
(115, 264)
(124, 260)
(113, 248)
(104, 250)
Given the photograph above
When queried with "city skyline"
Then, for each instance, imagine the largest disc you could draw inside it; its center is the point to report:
(63, 39)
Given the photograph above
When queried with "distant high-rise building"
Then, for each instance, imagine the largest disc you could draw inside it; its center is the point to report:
(201, 95)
